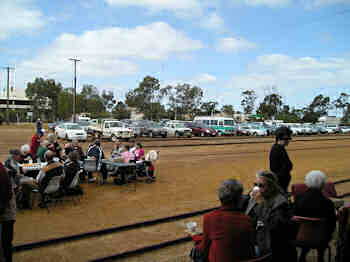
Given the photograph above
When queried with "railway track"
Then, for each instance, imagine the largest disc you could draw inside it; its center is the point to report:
(254, 140)
(170, 225)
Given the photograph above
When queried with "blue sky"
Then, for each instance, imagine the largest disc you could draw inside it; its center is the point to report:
(299, 48)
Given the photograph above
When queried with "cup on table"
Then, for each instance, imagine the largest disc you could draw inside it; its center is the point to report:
(191, 227)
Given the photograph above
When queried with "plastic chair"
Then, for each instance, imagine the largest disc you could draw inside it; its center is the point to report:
(264, 258)
(74, 184)
(52, 192)
(312, 234)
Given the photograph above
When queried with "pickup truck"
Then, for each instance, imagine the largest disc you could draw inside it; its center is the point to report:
(110, 128)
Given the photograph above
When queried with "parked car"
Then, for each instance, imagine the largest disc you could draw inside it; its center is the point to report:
(52, 126)
(154, 129)
(242, 130)
(332, 129)
(110, 128)
(201, 129)
(84, 125)
(257, 131)
(344, 129)
(321, 129)
(307, 129)
(175, 128)
(70, 131)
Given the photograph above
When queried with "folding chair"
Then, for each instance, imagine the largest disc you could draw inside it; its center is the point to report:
(74, 184)
(51, 192)
(312, 234)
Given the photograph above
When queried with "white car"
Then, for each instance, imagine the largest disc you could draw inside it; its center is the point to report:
(344, 129)
(178, 129)
(257, 131)
(70, 131)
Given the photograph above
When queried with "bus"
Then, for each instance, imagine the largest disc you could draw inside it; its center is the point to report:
(223, 125)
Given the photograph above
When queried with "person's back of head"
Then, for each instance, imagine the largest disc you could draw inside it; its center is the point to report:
(49, 156)
(25, 149)
(230, 192)
(282, 133)
(51, 138)
(315, 179)
(74, 156)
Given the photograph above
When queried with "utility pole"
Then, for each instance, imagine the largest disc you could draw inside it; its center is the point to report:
(8, 94)
(75, 86)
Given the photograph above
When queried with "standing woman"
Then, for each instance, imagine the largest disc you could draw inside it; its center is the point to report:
(280, 163)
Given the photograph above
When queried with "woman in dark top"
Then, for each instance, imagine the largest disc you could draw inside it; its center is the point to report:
(280, 163)
(314, 204)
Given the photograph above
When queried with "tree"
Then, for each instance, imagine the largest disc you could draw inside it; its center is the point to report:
(108, 100)
(184, 99)
(143, 97)
(65, 103)
(120, 111)
(44, 95)
(319, 107)
(228, 110)
(289, 116)
(90, 101)
(341, 102)
(271, 106)
(208, 108)
(248, 101)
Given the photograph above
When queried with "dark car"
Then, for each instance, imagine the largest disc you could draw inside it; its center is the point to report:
(155, 129)
(201, 129)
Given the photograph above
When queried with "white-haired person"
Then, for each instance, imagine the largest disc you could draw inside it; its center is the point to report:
(272, 213)
(314, 204)
(26, 156)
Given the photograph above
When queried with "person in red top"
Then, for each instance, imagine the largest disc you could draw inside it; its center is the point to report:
(35, 144)
(227, 231)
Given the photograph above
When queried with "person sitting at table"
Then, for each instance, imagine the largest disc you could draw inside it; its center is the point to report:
(132, 147)
(42, 150)
(314, 204)
(51, 170)
(127, 155)
(228, 234)
(71, 168)
(95, 151)
(24, 185)
(117, 149)
(54, 146)
(26, 157)
(139, 152)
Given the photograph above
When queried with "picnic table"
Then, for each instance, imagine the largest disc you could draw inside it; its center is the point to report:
(129, 169)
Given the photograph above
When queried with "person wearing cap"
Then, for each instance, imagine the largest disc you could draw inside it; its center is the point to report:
(7, 214)
(313, 203)
(272, 213)
(280, 164)
(95, 151)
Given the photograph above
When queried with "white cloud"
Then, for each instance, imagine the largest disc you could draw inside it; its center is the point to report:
(17, 16)
(268, 3)
(232, 44)
(110, 52)
(213, 21)
(203, 79)
(320, 3)
(294, 77)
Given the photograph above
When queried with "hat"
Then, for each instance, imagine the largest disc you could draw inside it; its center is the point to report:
(15, 152)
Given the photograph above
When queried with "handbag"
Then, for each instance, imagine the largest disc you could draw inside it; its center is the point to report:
(198, 256)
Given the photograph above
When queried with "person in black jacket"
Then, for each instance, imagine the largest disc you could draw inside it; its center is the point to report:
(71, 168)
(314, 204)
(280, 163)
(95, 151)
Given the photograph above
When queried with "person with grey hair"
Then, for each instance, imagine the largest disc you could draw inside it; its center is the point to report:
(271, 212)
(314, 204)
(26, 157)
(227, 232)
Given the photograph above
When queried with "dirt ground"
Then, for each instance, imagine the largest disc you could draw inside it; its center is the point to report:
(187, 179)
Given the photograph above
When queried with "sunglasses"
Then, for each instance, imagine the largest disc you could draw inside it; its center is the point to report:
(259, 185)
